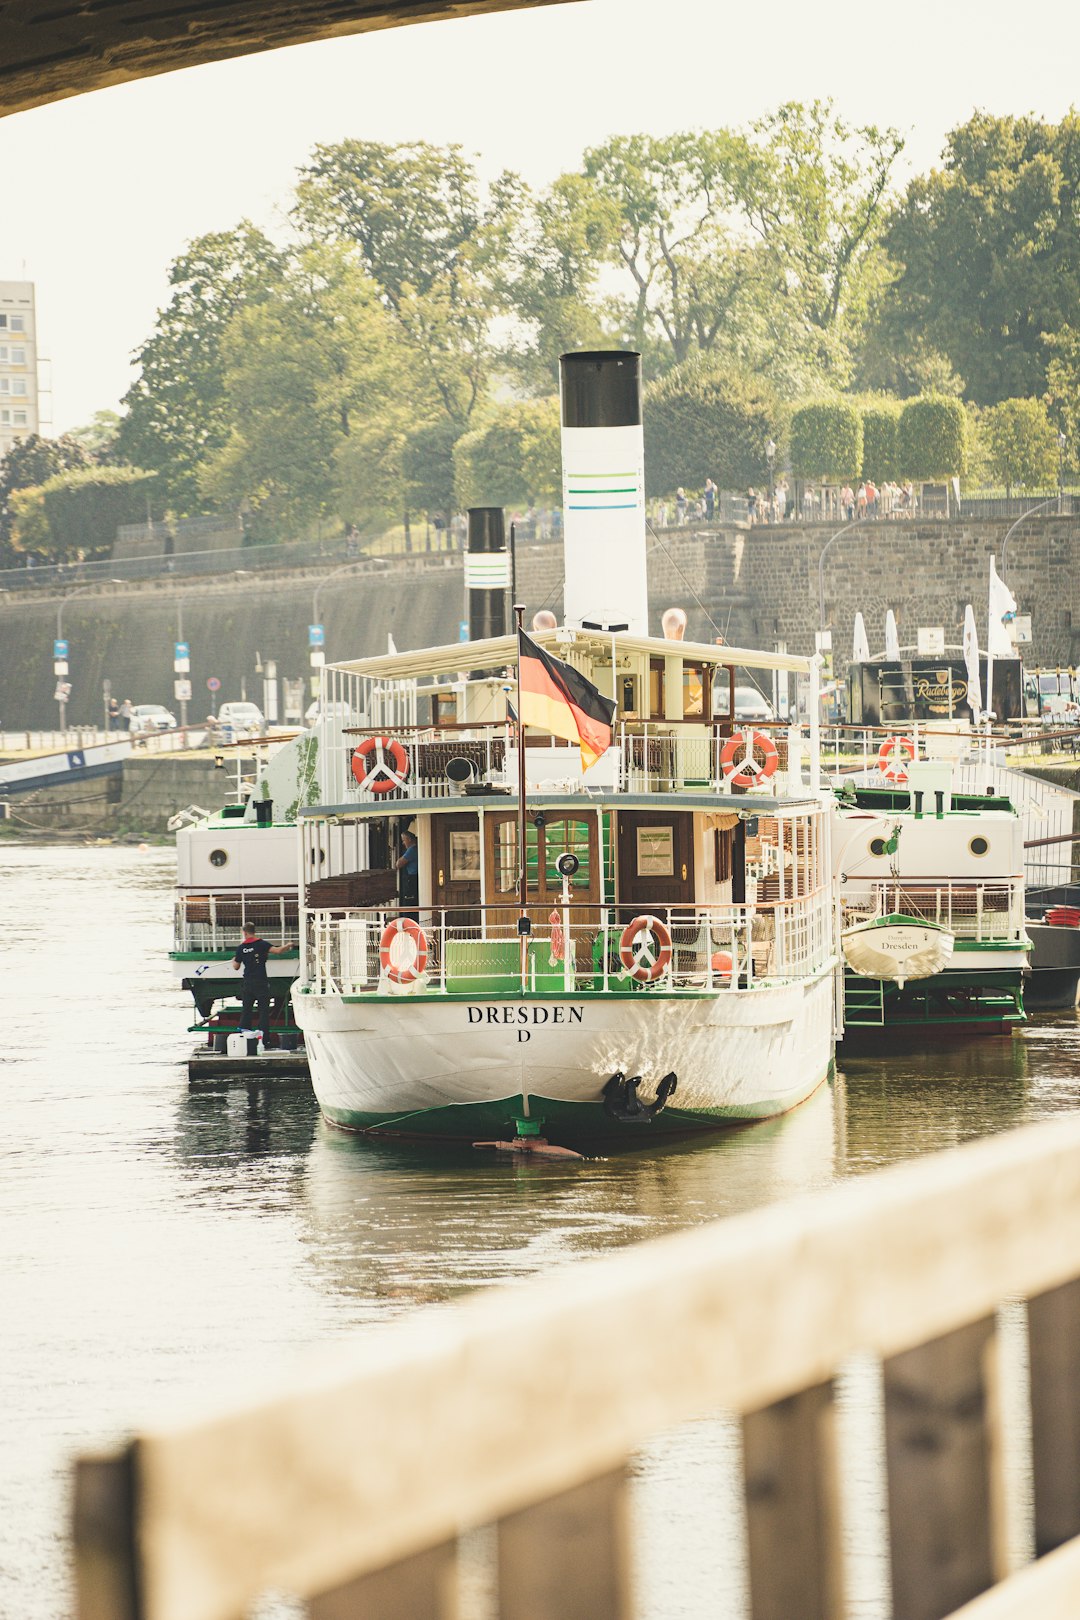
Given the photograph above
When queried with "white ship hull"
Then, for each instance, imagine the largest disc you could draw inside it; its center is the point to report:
(449, 1067)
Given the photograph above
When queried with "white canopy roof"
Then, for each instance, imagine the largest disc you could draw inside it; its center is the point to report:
(499, 651)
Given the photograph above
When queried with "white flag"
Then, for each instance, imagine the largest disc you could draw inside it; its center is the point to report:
(999, 641)
(971, 660)
(861, 651)
(892, 640)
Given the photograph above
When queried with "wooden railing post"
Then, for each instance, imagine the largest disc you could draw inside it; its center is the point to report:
(792, 1508)
(423, 1587)
(106, 1583)
(943, 1462)
(1054, 1339)
(568, 1558)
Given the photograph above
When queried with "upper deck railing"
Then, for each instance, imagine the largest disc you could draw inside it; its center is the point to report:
(524, 1410)
(982, 912)
(662, 756)
(213, 922)
(696, 949)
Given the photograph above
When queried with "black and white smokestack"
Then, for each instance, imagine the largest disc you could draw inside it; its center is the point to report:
(603, 455)
(487, 572)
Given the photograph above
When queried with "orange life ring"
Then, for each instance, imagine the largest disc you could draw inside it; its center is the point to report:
(639, 962)
(381, 764)
(893, 756)
(410, 971)
(748, 771)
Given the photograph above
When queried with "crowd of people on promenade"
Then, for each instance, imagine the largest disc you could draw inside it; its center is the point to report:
(815, 503)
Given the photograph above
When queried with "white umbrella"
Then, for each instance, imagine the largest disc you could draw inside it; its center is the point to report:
(861, 650)
(971, 660)
(892, 640)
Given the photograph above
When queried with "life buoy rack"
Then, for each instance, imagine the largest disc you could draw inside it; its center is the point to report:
(407, 972)
(893, 757)
(380, 764)
(746, 771)
(635, 953)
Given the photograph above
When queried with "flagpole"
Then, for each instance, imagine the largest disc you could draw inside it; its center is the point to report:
(523, 874)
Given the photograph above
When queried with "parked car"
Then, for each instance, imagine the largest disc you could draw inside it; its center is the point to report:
(151, 717)
(749, 703)
(334, 711)
(235, 720)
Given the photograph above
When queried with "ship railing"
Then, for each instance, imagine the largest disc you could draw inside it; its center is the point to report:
(214, 922)
(979, 912)
(359, 951)
(452, 761)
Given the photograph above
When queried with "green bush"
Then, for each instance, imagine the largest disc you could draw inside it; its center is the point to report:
(827, 441)
(511, 460)
(1019, 445)
(932, 438)
(880, 426)
(705, 422)
(84, 508)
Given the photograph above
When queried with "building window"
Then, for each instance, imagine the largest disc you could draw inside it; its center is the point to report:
(18, 357)
(5, 418)
(18, 385)
(20, 418)
(17, 323)
(3, 322)
(5, 385)
(5, 354)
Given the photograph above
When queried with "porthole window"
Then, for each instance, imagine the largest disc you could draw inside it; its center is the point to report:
(219, 857)
(878, 846)
(978, 846)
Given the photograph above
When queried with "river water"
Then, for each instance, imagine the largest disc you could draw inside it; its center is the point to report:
(156, 1241)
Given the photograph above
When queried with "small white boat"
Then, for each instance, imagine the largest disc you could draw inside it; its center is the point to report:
(897, 948)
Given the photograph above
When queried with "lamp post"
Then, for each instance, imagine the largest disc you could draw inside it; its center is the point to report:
(770, 457)
(821, 569)
(60, 662)
(1062, 441)
(181, 663)
(1039, 507)
(318, 656)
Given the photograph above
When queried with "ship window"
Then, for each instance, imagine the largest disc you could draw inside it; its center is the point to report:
(878, 847)
(693, 691)
(566, 836)
(978, 846)
(219, 857)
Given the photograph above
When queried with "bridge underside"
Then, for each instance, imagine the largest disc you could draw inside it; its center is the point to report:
(56, 48)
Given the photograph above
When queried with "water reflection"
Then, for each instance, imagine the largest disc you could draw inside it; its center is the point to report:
(395, 1226)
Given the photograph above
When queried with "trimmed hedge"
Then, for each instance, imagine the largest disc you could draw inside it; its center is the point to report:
(881, 428)
(827, 441)
(932, 437)
(709, 423)
(85, 508)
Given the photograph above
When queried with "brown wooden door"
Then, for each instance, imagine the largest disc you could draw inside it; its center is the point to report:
(656, 860)
(455, 867)
(573, 830)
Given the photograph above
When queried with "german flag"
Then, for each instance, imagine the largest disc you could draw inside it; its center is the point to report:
(557, 698)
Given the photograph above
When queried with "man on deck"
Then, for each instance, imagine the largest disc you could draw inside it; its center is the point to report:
(251, 955)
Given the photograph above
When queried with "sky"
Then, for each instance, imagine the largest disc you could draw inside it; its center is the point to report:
(101, 192)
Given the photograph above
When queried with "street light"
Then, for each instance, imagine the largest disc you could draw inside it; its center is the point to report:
(1062, 441)
(64, 686)
(1029, 513)
(821, 569)
(318, 656)
(770, 456)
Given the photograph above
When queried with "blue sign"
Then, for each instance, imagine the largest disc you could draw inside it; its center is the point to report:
(59, 649)
(181, 650)
(463, 630)
(77, 759)
(316, 635)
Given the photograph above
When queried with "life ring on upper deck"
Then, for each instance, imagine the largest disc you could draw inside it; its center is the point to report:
(636, 953)
(893, 757)
(403, 972)
(380, 764)
(745, 771)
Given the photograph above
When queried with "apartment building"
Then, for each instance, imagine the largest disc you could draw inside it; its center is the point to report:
(18, 363)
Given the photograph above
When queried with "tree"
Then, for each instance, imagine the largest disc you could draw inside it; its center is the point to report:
(827, 441)
(77, 513)
(28, 464)
(988, 254)
(1019, 444)
(429, 242)
(513, 459)
(932, 438)
(704, 421)
(303, 367)
(427, 467)
(99, 436)
(177, 416)
(815, 191)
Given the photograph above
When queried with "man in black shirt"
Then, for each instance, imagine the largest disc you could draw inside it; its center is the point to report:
(251, 956)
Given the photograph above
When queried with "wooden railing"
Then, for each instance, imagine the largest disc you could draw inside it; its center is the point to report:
(522, 1410)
